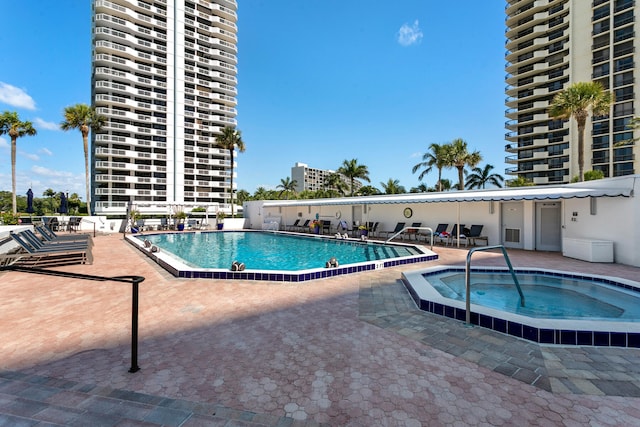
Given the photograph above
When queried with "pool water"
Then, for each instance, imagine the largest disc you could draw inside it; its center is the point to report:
(545, 296)
(271, 251)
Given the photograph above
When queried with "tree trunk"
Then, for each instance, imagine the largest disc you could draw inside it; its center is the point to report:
(231, 182)
(86, 170)
(581, 127)
(460, 178)
(13, 174)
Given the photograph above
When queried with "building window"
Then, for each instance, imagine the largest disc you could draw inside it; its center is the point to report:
(623, 109)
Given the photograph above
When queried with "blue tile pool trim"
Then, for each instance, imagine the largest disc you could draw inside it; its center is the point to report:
(284, 276)
(529, 332)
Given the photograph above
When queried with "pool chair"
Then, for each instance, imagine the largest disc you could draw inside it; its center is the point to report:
(343, 227)
(47, 255)
(326, 227)
(293, 226)
(373, 228)
(399, 226)
(474, 233)
(164, 224)
(412, 231)
(441, 228)
(74, 224)
(453, 236)
(304, 227)
(48, 235)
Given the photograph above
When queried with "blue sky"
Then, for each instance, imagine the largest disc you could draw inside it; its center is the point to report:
(318, 83)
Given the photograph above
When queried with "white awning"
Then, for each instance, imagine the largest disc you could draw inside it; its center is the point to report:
(498, 194)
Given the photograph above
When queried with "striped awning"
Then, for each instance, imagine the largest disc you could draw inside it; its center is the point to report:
(498, 194)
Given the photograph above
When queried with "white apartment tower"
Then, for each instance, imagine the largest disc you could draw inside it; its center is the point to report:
(164, 74)
(551, 44)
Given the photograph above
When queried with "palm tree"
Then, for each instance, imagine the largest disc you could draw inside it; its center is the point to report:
(480, 177)
(352, 170)
(335, 181)
(243, 196)
(11, 124)
(520, 181)
(287, 185)
(368, 190)
(84, 118)
(230, 139)
(458, 156)
(445, 184)
(261, 193)
(576, 101)
(421, 188)
(436, 156)
(50, 194)
(392, 186)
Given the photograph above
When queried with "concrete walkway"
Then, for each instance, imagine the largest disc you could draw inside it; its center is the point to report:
(352, 350)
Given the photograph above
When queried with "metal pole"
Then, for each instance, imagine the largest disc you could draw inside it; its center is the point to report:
(134, 324)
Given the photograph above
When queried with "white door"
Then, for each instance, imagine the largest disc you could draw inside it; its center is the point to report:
(512, 214)
(548, 226)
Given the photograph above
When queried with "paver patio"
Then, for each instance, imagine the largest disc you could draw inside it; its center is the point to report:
(351, 350)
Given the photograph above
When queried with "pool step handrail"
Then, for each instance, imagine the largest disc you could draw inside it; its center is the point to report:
(412, 228)
(467, 280)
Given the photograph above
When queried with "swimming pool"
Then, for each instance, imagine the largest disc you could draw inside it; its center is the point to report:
(561, 307)
(271, 255)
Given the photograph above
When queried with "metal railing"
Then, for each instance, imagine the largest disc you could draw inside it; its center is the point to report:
(412, 228)
(134, 280)
(467, 280)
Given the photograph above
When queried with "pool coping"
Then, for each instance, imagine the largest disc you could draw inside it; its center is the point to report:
(179, 269)
(542, 331)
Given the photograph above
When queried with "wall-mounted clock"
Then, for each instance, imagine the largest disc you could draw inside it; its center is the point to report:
(407, 212)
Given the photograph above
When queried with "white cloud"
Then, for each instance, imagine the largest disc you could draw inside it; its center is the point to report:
(4, 143)
(45, 151)
(39, 170)
(414, 155)
(39, 123)
(16, 97)
(410, 34)
(30, 156)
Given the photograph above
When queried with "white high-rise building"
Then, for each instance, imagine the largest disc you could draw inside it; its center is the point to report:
(164, 74)
(551, 44)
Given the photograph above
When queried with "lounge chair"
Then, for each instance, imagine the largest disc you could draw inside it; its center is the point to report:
(399, 226)
(441, 228)
(74, 224)
(454, 233)
(373, 228)
(47, 256)
(30, 238)
(304, 227)
(140, 225)
(164, 224)
(413, 231)
(343, 227)
(293, 226)
(48, 235)
(326, 227)
(473, 234)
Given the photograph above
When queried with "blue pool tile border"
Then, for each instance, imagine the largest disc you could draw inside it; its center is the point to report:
(286, 277)
(529, 332)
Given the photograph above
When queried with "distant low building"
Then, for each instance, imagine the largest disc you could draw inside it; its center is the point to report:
(313, 179)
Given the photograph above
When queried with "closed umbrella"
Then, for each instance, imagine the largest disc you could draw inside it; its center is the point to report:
(63, 204)
(30, 209)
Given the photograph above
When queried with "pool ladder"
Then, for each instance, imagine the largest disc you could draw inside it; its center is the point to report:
(467, 280)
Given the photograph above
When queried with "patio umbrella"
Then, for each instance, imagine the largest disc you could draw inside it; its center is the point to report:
(30, 209)
(63, 204)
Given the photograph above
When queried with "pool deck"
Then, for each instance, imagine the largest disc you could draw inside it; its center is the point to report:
(350, 350)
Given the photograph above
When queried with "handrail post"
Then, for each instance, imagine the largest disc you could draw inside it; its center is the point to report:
(411, 228)
(467, 279)
(134, 323)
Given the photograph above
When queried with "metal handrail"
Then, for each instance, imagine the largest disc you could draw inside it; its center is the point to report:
(134, 280)
(467, 279)
(411, 228)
